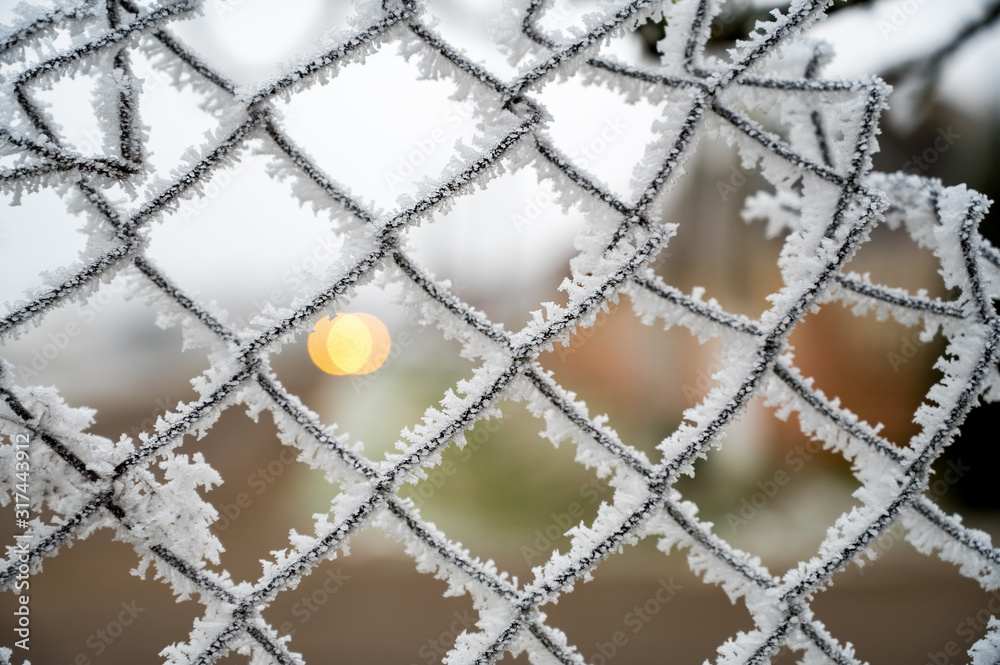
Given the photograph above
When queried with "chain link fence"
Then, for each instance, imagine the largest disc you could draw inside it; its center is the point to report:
(65, 483)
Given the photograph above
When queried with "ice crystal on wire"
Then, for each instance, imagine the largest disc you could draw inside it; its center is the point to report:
(825, 201)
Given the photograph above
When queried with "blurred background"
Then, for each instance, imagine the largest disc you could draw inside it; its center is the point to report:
(248, 243)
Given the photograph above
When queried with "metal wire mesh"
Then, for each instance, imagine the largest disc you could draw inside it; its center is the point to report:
(827, 203)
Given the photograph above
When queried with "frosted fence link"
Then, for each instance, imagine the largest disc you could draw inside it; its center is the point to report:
(96, 484)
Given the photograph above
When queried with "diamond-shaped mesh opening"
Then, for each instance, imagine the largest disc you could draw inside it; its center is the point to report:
(508, 494)
(609, 141)
(886, 359)
(506, 250)
(893, 259)
(605, 365)
(79, 126)
(770, 492)
(385, 166)
(355, 402)
(249, 268)
(714, 251)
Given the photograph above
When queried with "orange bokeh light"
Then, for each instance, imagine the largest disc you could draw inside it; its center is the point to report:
(355, 343)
